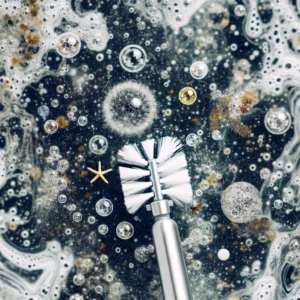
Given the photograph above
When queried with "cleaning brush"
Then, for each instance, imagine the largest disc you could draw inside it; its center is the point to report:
(155, 171)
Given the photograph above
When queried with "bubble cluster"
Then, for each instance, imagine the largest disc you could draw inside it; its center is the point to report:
(278, 121)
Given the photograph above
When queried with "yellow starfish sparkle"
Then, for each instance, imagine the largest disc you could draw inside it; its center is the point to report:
(99, 173)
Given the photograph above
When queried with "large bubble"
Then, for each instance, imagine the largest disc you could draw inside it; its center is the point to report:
(241, 202)
(129, 108)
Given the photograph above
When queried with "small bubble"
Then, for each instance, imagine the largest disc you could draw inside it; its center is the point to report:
(82, 121)
(125, 230)
(50, 126)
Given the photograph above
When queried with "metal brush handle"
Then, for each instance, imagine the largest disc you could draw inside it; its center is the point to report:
(173, 273)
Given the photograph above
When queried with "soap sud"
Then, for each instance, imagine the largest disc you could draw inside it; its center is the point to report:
(54, 263)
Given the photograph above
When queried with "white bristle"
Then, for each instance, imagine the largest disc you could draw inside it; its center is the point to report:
(177, 178)
(133, 203)
(128, 174)
(175, 163)
(181, 194)
(136, 187)
(167, 146)
(131, 155)
(148, 146)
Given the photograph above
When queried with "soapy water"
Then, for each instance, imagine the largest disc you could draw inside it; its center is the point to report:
(51, 248)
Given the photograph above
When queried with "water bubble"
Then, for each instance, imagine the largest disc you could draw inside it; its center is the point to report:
(240, 10)
(129, 108)
(278, 204)
(216, 135)
(76, 297)
(82, 121)
(278, 121)
(62, 198)
(192, 139)
(241, 202)
(103, 229)
(103, 258)
(264, 173)
(125, 230)
(50, 126)
(77, 217)
(91, 220)
(60, 88)
(133, 58)
(99, 57)
(227, 151)
(104, 207)
(187, 95)
(141, 254)
(249, 242)
(68, 44)
(43, 111)
(98, 144)
(117, 289)
(198, 69)
(99, 289)
(54, 103)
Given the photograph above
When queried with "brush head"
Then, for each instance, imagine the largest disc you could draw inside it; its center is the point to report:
(141, 182)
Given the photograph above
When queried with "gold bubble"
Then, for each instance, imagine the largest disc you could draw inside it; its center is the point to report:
(187, 96)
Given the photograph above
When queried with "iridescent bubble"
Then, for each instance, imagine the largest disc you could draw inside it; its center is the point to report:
(50, 126)
(103, 229)
(68, 44)
(104, 207)
(98, 144)
(278, 121)
(241, 202)
(43, 111)
(192, 140)
(133, 58)
(198, 69)
(125, 230)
